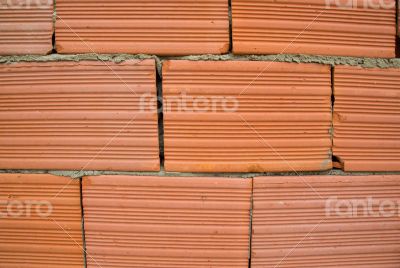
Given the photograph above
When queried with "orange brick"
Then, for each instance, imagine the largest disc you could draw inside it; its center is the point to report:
(366, 118)
(323, 27)
(326, 221)
(167, 222)
(162, 27)
(242, 116)
(40, 222)
(79, 115)
(26, 27)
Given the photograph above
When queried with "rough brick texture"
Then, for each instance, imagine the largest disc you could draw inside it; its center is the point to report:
(79, 115)
(40, 222)
(314, 27)
(26, 27)
(366, 118)
(162, 27)
(325, 221)
(167, 222)
(241, 116)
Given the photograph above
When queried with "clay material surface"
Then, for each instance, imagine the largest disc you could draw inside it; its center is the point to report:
(167, 222)
(367, 29)
(26, 27)
(79, 116)
(40, 222)
(316, 221)
(240, 116)
(162, 27)
(366, 118)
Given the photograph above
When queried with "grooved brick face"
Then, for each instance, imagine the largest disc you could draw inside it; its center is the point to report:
(167, 222)
(40, 222)
(79, 115)
(26, 27)
(366, 118)
(242, 116)
(326, 221)
(322, 27)
(162, 27)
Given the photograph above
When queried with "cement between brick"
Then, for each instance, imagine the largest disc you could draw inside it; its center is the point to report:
(162, 173)
(118, 58)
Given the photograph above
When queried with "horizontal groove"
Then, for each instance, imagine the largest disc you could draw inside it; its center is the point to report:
(51, 104)
(287, 209)
(145, 23)
(183, 218)
(36, 240)
(371, 93)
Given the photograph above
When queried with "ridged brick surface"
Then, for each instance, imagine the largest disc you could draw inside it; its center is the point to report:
(167, 27)
(48, 238)
(313, 27)
(26, 27)
(79, 115)
(293, 228)
(167, 222)
(277, 116)
(366, 118)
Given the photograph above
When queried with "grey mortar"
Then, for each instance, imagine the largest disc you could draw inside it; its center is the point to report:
(328, 60)
(162, 173)
(118, 58)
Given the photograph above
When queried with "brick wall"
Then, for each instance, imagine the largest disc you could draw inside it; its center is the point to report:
(207, 133)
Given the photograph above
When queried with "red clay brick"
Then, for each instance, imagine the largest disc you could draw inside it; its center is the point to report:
(326, 221)
(40, 222)
(26, 27)
(163, 27)
(79, 115)
(366, 118)
(314, 27)
(167, 222)
(277, 116)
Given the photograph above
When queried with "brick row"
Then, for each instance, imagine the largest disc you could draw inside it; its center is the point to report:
(176, 27)
(308, 221)
(232, 116)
